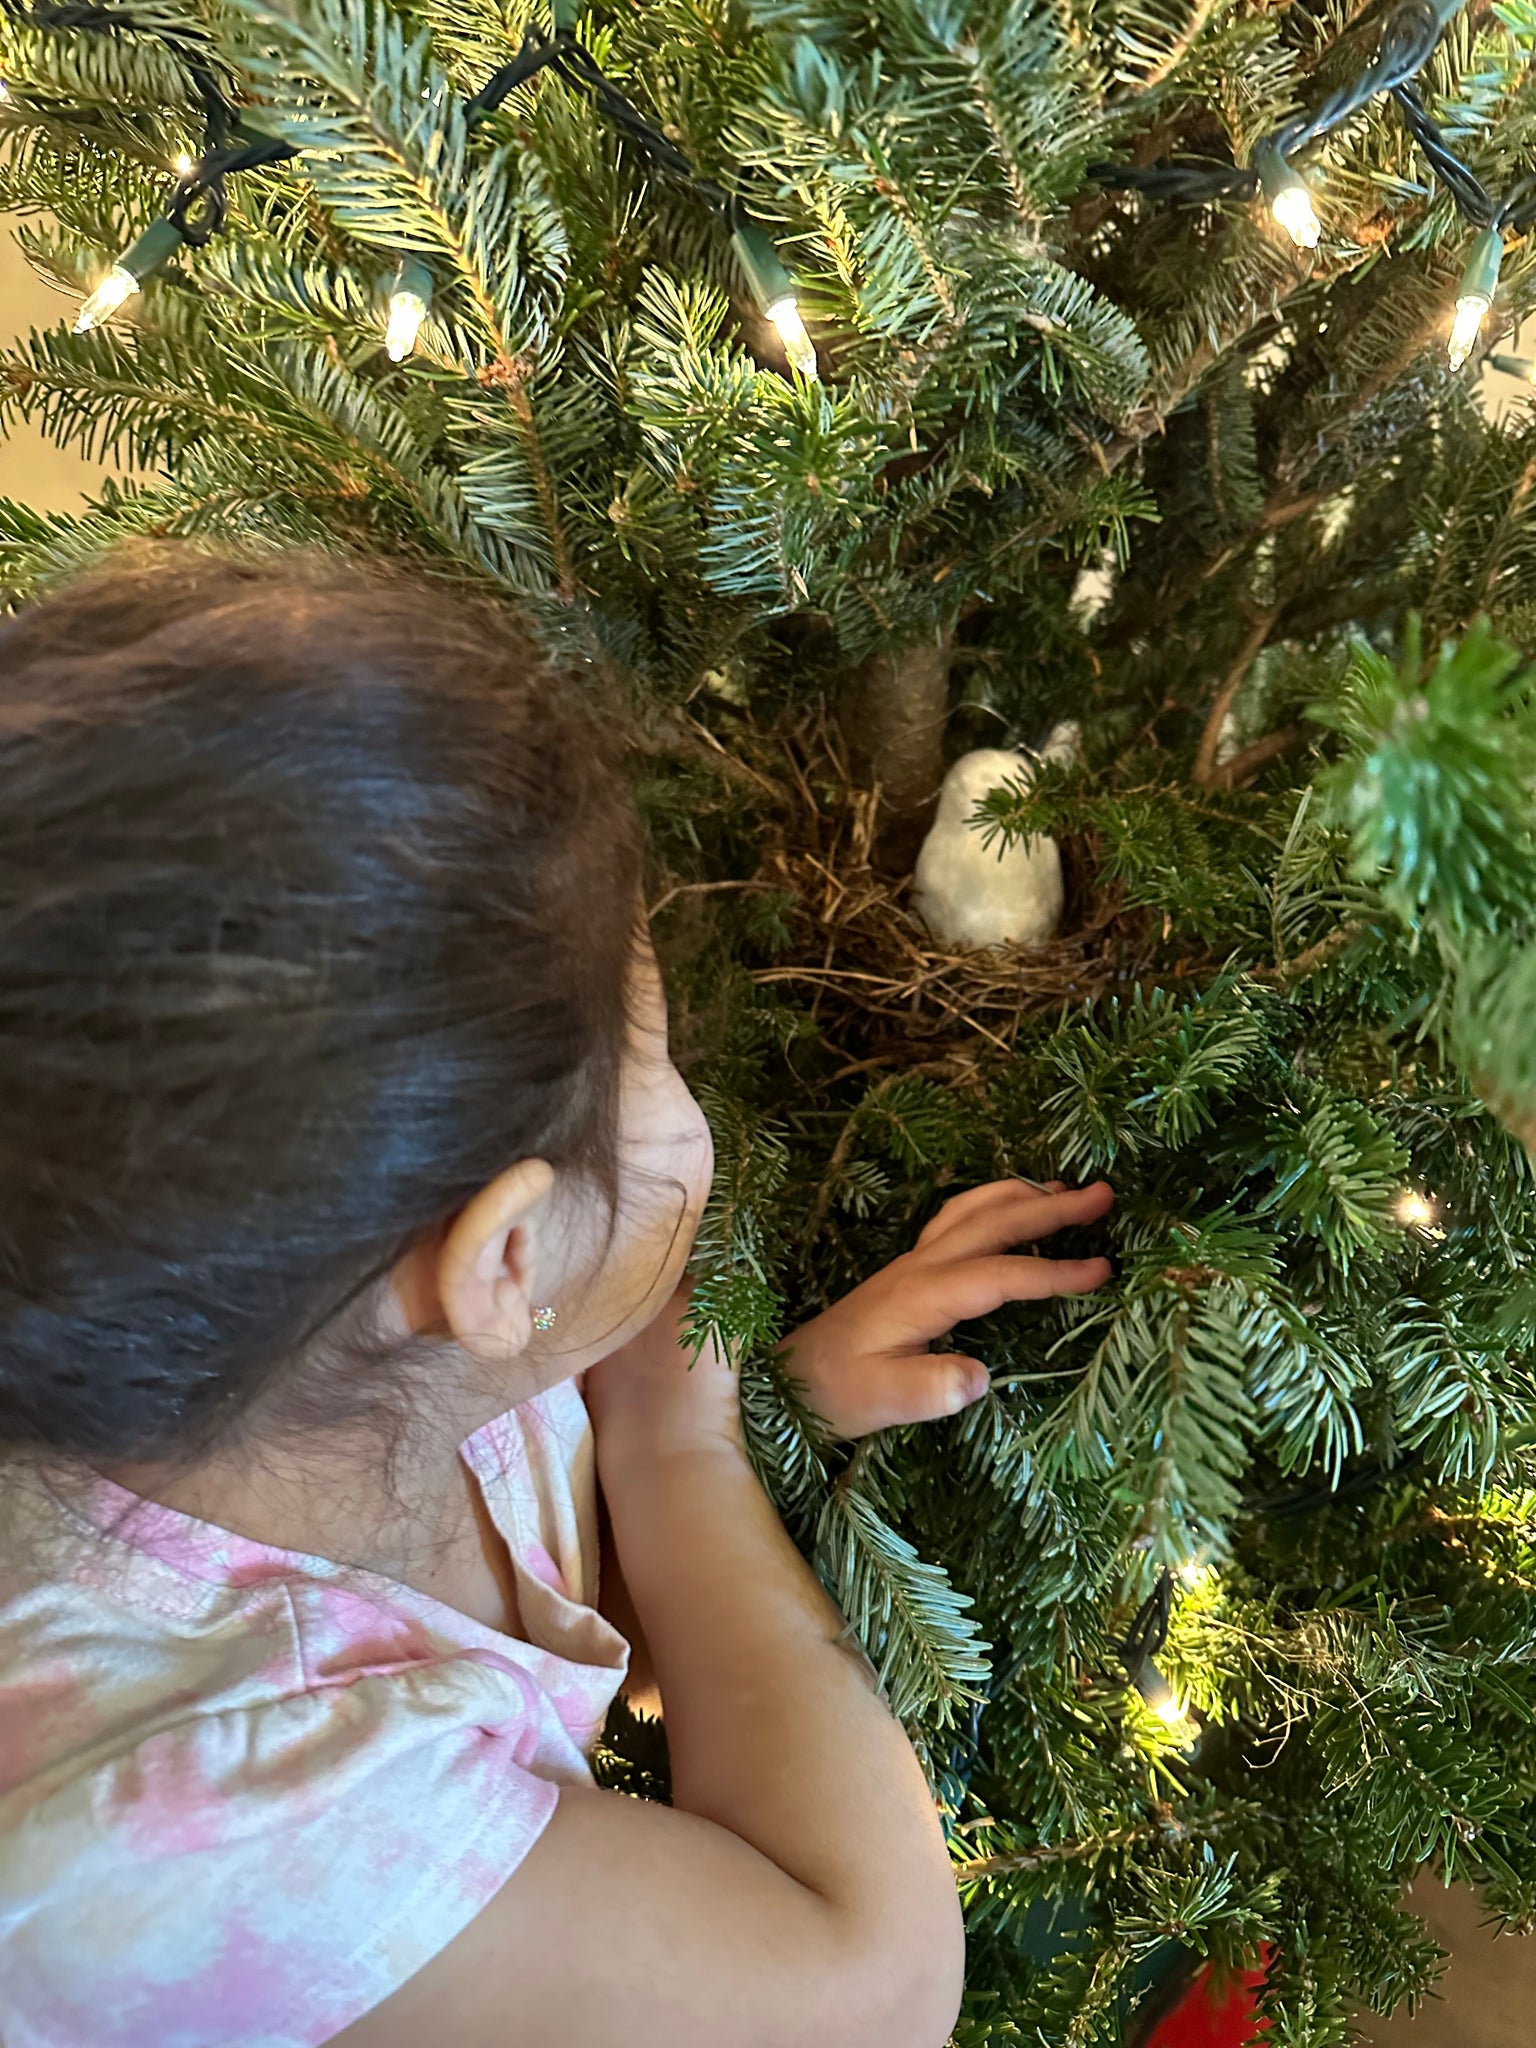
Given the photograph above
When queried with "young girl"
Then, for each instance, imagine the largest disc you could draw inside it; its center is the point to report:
(345, 1190)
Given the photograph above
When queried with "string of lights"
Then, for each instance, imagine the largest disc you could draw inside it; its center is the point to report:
(197, 208)
(1144, 1639)
(1408, 40)
(770, 283)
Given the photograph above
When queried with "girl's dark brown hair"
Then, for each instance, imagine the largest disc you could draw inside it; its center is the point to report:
(317, 895)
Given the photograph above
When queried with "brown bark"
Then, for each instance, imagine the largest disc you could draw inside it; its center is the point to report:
(1242, 766)
(893, 720)
(1204, 770)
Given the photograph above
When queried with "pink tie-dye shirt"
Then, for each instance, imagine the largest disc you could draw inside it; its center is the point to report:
(245, 1793)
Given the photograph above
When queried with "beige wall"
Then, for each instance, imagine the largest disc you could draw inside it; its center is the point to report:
(31, 468)
(1500, 393)
(1486, 1999)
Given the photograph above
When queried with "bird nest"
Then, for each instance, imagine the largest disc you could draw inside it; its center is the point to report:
(885, 990)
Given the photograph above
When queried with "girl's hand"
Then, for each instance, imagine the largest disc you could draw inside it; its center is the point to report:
(646, 1396)
(866, 1364)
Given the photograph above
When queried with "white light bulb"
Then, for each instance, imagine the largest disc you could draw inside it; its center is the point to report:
(407, 310)
(798, 346)
(181, 164)
(115, 289)
(1161, 1697)
(1471, 312)
(1292, 207)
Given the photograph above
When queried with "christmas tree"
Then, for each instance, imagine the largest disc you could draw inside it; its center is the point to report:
(852, 386)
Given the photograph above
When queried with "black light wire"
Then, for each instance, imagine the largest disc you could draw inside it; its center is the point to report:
(198, 206)
(1408, 40)
(562, 52)
(1140, 1645)
(1148, 1631)
(1473, 201)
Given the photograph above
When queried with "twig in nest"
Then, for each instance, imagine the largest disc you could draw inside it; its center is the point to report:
(732, 763)
(701, 889)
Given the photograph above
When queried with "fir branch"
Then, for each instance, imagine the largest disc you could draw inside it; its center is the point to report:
(926, 1651)
(976, 1868)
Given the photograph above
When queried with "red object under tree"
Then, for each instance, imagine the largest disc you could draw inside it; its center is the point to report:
(1219, 2010)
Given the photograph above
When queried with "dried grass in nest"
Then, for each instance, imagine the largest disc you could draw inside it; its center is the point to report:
(883, 987)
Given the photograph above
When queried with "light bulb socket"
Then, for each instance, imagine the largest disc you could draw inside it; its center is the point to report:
(1515, 366)
(1154, 1688)
(1275, 174)
(413, 277)
(765, 274)
(1480, 278)
(158, 243)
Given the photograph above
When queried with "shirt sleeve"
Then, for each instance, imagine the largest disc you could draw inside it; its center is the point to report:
(261, 1876)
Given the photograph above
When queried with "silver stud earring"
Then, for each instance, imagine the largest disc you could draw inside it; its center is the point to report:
(544, 1318)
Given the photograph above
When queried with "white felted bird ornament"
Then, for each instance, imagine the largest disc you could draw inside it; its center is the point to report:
(971, 894)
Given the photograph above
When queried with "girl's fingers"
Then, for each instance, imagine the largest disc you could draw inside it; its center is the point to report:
(956, 1294)
(922, 1388)
(975, 1203)
(1021, 1218)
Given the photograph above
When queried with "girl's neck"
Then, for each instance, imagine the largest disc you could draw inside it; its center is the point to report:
(403, 1505)
(405, 1516)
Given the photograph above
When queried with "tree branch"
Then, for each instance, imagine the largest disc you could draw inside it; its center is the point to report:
(1204, 769)
(1056, 1852)
(893, 720)
(1316, 955)
(1243, 764)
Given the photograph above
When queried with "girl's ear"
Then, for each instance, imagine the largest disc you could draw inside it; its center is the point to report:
(484, 1281)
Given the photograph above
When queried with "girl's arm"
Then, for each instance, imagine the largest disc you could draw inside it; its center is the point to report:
(614, 1605)
(798, 1890)
(797, 1893)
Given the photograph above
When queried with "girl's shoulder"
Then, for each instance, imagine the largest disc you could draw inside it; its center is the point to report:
(244, 1793)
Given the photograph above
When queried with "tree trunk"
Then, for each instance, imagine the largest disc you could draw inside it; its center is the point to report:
(893, 720)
